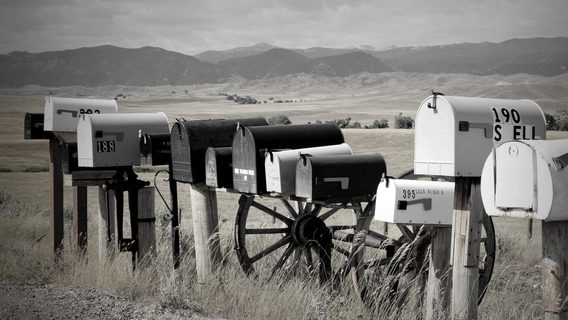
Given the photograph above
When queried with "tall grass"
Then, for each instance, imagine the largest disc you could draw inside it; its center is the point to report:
(25, 257)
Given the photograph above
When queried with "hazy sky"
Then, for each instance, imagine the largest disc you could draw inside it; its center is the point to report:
(193, 26)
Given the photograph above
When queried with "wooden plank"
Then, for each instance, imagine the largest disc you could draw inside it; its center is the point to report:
(107, 224)
(146, 236)
(206, 231)
(56, 198)
(80, 218)
(439, 283)
(466, 236)
(554, 273)
(92, 178)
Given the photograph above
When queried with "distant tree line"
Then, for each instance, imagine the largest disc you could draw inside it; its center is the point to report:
(558, 121)
(401, 122)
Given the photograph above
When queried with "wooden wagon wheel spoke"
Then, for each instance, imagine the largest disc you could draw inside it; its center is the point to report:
(280, 243)
(266, 230)
(329, 213)
(342, 236)
(341, 250)
(290, 209)
(271, 212)
(309, 259)
(283, 258)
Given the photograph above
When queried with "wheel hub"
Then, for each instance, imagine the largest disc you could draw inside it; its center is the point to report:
(309, 228)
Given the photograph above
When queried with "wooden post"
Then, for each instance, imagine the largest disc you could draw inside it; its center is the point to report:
(107, 224)
(554, 269)
(146, 236)
(175, 217)
(466, 234)
(439, 274)
(206, 230)
(56, 198)
(80, 218)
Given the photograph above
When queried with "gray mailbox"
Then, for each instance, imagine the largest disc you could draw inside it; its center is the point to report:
(454, 135)
(339, 178)
(527, 179)
(280, 166)
(62, 114)
(251, 144)
(190, 140)
(112, 140)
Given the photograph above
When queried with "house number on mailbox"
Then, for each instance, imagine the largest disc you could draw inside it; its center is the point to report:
(106, 146)
(507, 122)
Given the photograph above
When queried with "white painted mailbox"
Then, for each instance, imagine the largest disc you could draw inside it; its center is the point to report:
(280, 166)
(112, 140)
(62, 114)
(527, 179)
(415, 202)
(454, 135)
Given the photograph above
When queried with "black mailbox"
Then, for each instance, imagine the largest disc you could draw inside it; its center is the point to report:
(219, 167)
(251, 144)
(155, 149)
(33, 127)
(342, 178)
(190, 140)
(69, 160)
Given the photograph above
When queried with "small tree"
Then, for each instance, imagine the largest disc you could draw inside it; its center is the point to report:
(403, 122)
(279, 120)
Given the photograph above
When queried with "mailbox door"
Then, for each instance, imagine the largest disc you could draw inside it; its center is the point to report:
(33, 127)
(155, 149)
(515, 177)
(218, 171)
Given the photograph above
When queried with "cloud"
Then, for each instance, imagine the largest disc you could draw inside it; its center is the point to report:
(195, 25)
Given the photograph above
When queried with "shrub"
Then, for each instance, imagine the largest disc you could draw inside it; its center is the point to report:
(403, 122)
(378, 124)
(279, 119)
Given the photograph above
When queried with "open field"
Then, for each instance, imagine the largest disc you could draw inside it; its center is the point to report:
(24, 257)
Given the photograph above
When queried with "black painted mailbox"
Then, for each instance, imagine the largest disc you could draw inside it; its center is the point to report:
(251, 144)
(69, 159)
(33, 127)
(219, 167)
(190, 140)
(343, 178)
(155, 149)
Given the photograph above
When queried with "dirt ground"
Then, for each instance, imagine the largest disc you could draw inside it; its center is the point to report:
(19, 301)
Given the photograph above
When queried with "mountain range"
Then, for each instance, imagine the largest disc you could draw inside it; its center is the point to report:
(150, 66)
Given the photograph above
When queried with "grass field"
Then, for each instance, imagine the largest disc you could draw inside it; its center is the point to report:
(514, 292)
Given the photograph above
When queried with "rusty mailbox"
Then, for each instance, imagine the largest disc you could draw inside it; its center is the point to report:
(219, 167)
(251, 144)
(339, 178)
(190, 140)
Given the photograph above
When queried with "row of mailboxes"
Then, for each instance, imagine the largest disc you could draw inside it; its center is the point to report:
(454, 135)
(250, 145)
(527, 179)
(190, 140)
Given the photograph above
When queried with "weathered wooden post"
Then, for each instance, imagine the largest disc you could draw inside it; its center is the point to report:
(146, 223)
(107, 223)
(529, 179)
(438, 289)
(80, 218)
(56, 197)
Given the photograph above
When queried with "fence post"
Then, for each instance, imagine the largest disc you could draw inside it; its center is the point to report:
(206, 230)
(466, 234)
(80, 218)
(146, 236)
(56, 198)
(554, 273)
(438, 288)
(107, 223)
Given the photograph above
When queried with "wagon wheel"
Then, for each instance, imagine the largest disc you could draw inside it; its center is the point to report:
(278, 239)
(405, 257)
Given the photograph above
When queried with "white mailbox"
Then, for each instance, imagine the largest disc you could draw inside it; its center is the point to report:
(527, 179)
(415, 202)
(62, 114)
(111, 140)
(454, 135)
(280, 166)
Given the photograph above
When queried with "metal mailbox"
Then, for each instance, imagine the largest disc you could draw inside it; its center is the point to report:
(33, 127)
(454, 135)
(250, 145)
(339, 178)
(62, 114)
(112, 140)
(280, 166)
(527, 179)
(219, 167)
(190, 140)
(415, 202)
(155, 149)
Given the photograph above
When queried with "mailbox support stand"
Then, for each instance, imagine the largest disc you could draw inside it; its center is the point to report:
(466, 234)
(206, 230)
(56, 198)
(439, 274)
(107, 223)
(146, 237)
(80, 218)
(175, 217)
(554, 273)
